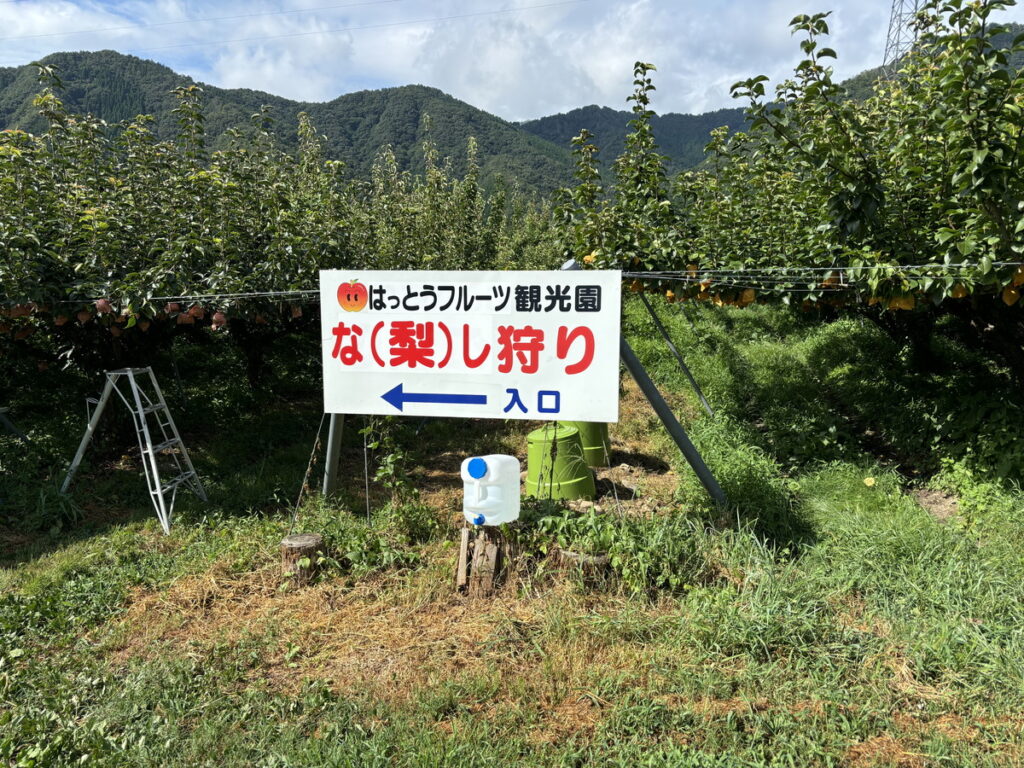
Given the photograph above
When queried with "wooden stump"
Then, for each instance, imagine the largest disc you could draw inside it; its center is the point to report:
(480, 562)
(591, 567)
(299, 553)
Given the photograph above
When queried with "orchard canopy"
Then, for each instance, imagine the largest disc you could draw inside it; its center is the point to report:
(909, 202)
(112, 241)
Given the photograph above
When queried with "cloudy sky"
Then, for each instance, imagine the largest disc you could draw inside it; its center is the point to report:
(516, 58)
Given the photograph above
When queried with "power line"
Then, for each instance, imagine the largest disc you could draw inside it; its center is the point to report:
(366, 26)
(201, 19)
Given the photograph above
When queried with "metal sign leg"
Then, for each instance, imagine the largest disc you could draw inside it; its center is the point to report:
(678, 356)
(672, 425)
(333, 452)
(675, 429)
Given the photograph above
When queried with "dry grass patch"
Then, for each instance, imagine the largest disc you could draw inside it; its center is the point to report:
(391, 635)
(884, 750)
(352, 636)
(852, 613)
(574, 716)
(940, 505)
(904, 748)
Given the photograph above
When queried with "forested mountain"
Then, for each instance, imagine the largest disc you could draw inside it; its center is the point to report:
(681, 137)
(117, 87)
(535, 153)
(357, 125)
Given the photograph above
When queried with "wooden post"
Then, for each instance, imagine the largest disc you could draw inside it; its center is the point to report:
(462, 569)
(486, 566)
(480, 565)
(299, 555)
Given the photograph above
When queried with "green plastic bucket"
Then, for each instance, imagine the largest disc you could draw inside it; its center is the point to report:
(597, 448)
(563, 476)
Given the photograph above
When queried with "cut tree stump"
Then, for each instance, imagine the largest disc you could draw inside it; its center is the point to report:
(591, 567)
(480, 563)
(299, 553)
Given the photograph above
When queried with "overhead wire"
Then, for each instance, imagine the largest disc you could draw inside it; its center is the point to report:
(301, 293)
(779, 281)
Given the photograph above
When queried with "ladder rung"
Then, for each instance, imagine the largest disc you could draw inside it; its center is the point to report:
(170, 443)
(154, 408)
(177, 481)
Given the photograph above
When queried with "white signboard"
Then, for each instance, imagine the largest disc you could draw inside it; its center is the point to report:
(499, 345)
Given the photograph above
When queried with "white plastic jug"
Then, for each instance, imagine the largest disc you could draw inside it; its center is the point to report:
(490, 489)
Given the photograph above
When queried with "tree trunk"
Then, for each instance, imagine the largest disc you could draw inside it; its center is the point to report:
(985, 323)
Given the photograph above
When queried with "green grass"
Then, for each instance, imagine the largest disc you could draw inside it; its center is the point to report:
(820, 620)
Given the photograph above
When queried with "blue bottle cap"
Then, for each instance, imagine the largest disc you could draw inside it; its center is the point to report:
(477, 468)
(478, 520)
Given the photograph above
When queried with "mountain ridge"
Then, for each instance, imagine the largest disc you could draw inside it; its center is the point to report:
(681, 137)
(535, 153)
(117, 87)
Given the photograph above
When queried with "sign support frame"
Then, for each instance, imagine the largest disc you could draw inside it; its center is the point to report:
(664, 412)
(679, 358)
(334, 434)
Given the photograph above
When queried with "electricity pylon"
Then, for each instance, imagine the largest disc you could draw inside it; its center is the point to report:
(902, 34)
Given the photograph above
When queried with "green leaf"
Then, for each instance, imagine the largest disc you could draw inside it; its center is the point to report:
(966, 246)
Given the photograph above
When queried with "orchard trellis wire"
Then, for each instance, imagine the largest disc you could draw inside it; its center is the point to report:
(782, 278)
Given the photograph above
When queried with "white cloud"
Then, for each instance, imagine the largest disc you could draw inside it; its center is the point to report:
(517, 64)
(307, 71)
(505, 67)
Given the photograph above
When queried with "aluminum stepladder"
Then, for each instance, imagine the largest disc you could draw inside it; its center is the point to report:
(168, 446)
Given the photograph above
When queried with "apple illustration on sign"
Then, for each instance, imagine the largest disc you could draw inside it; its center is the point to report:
(352, 296)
